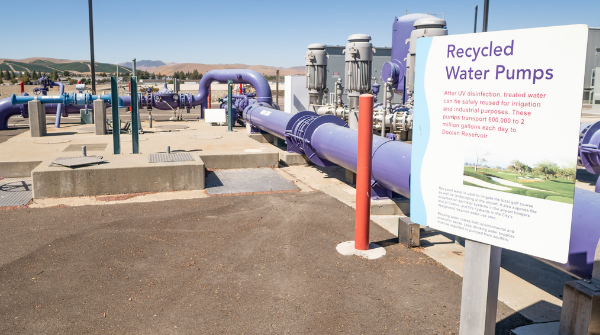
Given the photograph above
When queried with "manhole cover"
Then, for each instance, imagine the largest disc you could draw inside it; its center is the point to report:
(172, 126)
(89, 147)
(246, 181)
(73, 162)
(206, 137)
(172, 157)
(51, 141)
(15, 191)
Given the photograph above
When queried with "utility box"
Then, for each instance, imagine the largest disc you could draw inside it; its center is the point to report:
(296, 94)
(217, 116)
(87, 116)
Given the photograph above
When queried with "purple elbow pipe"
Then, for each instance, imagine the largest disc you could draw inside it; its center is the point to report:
(238, 76)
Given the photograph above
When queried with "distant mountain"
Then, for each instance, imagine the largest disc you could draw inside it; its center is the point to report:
(48, 65)
(146, 64)
(83, 67)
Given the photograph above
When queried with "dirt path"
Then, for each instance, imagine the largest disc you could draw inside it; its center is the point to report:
(233, 264)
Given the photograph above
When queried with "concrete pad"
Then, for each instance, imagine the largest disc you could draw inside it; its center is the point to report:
(122, 174)
(262, 137)
(394, 206)
(550, 328)
(17, 169)
(241, 161)
(292, 158)
(347, 249)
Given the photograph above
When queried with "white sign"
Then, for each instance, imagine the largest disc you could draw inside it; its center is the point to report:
(496, 132)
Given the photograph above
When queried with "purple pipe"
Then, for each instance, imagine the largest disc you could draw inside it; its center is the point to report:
(396, 68)
(267, 119)
(61, 90)
(238, 76)
(7, 110)
(326, 140)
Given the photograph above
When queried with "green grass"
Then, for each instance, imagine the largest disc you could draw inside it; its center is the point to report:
(560, 190)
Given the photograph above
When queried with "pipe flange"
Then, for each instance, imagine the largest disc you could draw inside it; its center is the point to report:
(289, 128)
(307, 147)
(589, 149)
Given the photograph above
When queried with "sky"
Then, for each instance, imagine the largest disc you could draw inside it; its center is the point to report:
(273, 33)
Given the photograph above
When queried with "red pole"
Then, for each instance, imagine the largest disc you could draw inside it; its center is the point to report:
(129, 83)
(363, 172)
(22, 87)
(240, 88)
(209, 97)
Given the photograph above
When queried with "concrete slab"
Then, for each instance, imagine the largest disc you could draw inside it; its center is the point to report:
(292, 158)
(394, 206)
(122, 174)
(550, 328)
(17, 169)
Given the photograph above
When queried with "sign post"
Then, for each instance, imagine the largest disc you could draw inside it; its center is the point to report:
(496, 132)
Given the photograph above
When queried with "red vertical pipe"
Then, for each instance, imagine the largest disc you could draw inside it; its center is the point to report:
(363, 172)
(22, 87)
(129, 83)
(209, 97)
(240, 88)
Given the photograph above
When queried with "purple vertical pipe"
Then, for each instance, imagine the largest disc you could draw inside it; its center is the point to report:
(396, 68)
(61, 90)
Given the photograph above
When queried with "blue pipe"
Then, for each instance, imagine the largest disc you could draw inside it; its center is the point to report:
(61, 91)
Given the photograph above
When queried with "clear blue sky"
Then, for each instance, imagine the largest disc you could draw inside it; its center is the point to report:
(251, 32)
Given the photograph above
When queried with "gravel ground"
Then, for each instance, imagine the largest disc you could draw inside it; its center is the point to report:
(230, 264)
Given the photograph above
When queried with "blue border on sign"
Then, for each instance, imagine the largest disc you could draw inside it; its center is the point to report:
(420, 133)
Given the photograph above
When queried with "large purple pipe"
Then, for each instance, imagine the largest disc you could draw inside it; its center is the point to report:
(7, 110)
(396, 67)
(326, 140)
(238, 76)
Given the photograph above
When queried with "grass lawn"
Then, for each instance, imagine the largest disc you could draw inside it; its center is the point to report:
(560, 190)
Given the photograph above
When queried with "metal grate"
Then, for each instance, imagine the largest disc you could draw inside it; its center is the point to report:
(172, 157)
(74, 162)
(15, 192)
(89, 147)
(246, 181)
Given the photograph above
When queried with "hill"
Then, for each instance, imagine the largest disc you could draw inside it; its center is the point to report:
(144, 64)
(48, 65)
(83, 67)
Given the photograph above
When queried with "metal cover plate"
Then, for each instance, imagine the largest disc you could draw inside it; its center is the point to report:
(73, 162)
(89, 147)
(15, 192)
(172, 157)
(246, 181)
